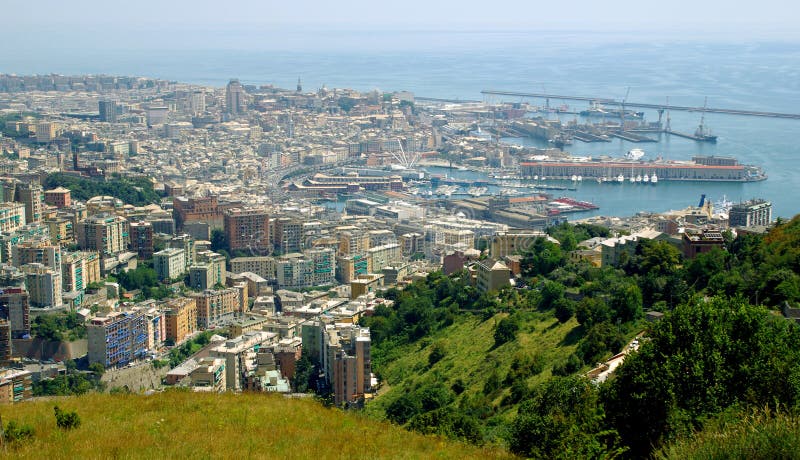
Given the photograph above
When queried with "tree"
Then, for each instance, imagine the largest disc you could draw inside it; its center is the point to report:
(551, 293)
(219, 240)
(565, 308)
(403, 408)
(626, 301)
(700, 359)
(505, 331)
(561, 420)
(438, 351)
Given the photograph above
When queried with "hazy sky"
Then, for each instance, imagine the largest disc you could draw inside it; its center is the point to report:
(107, 16)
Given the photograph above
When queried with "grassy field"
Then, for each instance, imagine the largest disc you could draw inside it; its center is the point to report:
(178, 424)
(471, 357)
(751, 436)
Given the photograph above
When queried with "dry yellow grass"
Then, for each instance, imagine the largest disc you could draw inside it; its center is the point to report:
(188, 425)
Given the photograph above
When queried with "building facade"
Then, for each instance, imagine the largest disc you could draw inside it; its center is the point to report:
(118, 338)
(750, 213)
(104, 233)
(247, 229)
(180, 318)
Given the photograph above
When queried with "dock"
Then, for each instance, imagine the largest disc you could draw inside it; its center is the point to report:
(631, 137)
(585, 136)
(692, 136)
(642, 105)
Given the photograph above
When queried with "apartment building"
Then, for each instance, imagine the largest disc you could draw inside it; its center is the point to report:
(12, 216)
(263, 266)
(43, 285)
(141, 239)
(15, 308)
(247, 229)
(79, 270)
(104, 233)
(214, 306)
(169, 263)
(118, 338)
(180, 318)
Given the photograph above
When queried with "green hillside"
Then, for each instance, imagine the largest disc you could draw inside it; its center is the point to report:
(473, 376)
(178, 424)
(506, 368)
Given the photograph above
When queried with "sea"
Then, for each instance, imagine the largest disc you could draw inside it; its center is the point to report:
(731, 73)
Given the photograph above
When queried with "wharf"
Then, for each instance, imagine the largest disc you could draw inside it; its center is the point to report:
(632, 137)
(693, 137)
(585, 136)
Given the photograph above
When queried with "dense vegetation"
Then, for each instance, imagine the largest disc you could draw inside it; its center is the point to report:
(136, 191)
(506, 367)
(72, 384)
(177, 424)
(144, 278)
(58, 326)
(189, 347)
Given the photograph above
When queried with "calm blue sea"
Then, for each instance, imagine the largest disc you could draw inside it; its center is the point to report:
(758, 76)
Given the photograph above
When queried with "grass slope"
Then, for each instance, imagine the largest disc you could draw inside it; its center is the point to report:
(753, 436)
(470, 356)
(178, 424)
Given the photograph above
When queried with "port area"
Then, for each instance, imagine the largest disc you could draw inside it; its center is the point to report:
(632, 137)
(692, 136)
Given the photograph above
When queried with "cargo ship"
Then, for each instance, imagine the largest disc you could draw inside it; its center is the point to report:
(700, 168)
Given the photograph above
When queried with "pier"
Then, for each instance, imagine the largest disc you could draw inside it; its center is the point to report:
(642, 105)
(691, 136)
(631, 137)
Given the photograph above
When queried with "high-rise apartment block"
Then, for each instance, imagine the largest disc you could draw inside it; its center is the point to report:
(15, 307)
(170, 263)
(180, 318)
(750, 213)
(37, 252)
(108, 111)
(44, 285)
(104, 233)
(59, 197)
(343, 352)
(32, 196)
(287, 235)
(263, 266)
(79, 270)
(235, 98)
(215, 305)
(12, 216)
(204, 209)
(141, 237)
(247, 229)
(118, 338)
(46, 131)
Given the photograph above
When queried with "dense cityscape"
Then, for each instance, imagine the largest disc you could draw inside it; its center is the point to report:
(157, 234)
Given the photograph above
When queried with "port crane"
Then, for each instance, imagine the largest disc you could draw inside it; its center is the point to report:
(622, 112)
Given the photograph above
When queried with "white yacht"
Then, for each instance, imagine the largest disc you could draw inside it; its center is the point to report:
(634, 154)
(654, 179)
(646, 178)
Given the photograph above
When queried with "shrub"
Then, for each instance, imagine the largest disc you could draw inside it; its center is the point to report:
(14, 432)
(506, 331)
(66, 420)
(438, 352)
